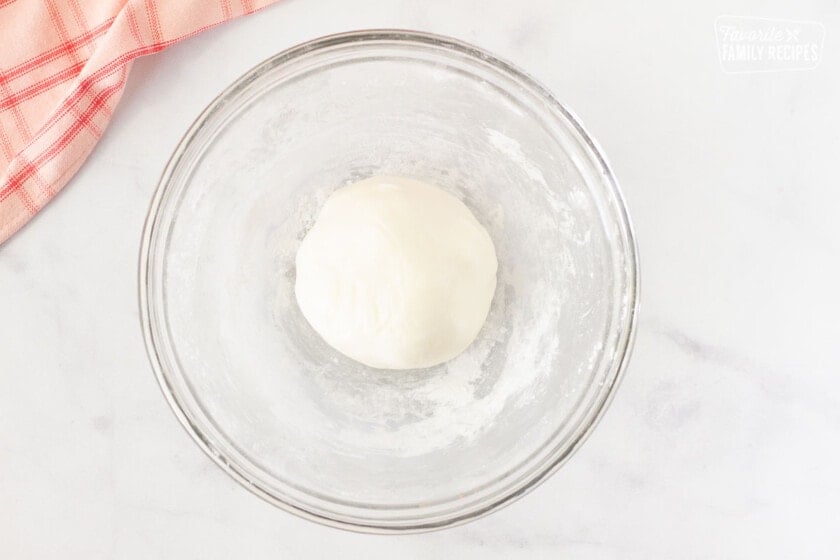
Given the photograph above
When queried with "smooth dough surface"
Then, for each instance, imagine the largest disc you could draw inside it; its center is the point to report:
(396, 273)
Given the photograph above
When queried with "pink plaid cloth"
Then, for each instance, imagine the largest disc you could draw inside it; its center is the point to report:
(63, 67)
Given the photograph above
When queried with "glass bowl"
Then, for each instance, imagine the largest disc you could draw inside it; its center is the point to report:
(312, 431)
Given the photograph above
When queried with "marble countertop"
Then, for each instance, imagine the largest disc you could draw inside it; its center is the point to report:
(722, 441)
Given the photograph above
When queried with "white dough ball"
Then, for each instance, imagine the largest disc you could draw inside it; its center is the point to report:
(396, 273)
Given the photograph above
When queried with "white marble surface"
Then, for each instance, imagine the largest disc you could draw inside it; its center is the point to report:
(723, 440)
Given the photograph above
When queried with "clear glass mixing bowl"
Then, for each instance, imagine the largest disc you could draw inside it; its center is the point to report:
(312, 431)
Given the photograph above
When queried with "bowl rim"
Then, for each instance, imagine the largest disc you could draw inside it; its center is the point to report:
(623, 350)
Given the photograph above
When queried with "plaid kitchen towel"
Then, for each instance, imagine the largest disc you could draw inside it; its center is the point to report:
(63, 67)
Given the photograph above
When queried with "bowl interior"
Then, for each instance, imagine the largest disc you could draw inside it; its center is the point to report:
(312, 430)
